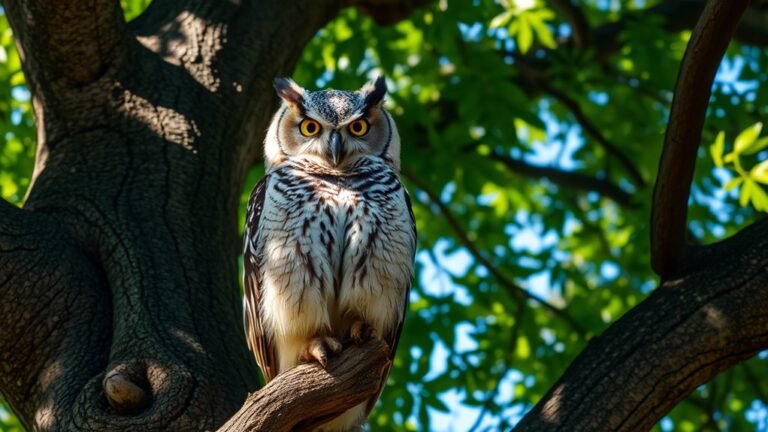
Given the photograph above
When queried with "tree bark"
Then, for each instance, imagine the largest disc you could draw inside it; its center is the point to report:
(314, 395)
(703, 55)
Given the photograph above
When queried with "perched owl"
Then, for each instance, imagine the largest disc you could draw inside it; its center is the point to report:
(330, 235)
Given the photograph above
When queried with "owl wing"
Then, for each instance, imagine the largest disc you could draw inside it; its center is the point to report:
(259, 343)
(393, 337)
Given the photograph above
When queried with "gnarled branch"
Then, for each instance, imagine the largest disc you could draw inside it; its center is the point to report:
(678, 159)
(308, 395)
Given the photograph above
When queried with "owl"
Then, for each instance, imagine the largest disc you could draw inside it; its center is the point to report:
(330, 235)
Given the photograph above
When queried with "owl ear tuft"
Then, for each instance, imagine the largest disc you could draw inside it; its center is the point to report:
(374, 92)
(290, 92)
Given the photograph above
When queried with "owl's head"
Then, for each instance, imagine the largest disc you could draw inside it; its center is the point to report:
(333, 128)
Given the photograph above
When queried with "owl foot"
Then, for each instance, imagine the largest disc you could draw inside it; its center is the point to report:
(319, 349)
(361, 332)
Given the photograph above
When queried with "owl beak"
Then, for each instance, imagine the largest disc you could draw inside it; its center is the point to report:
(337, 146)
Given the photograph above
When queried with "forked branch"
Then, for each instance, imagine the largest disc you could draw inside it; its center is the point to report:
(308, 395)
(702, 57)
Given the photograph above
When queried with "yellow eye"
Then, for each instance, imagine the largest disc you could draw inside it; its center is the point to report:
(309, 127)
(359, 127)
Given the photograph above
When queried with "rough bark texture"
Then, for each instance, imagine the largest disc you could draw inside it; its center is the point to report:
(118, 280)
(347, 381)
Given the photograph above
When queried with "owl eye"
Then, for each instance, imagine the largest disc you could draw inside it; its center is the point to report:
(309, 127)
(359, 127)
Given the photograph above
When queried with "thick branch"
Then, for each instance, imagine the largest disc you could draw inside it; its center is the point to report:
(674, 341)
(514, 290)
(678, 159)
(308, 395)
(568, 179)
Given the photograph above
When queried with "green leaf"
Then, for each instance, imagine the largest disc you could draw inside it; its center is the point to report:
(746, 192)
(502, 19)
(747, 137)
(716, 150)
(760, 172)
(759, 198)
(523, 350)
(543, 33)
(524, 33)
(733, 183)
(758, 145)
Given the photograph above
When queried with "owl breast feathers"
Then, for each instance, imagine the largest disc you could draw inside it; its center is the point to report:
(330, 235)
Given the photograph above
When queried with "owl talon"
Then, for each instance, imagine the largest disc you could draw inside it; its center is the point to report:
(319, 349)
(361, 332)
(333, 345)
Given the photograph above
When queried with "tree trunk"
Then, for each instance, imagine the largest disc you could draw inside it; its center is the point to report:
(119, 284)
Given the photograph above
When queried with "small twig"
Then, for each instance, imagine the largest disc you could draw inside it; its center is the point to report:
(512, 288)
(678, 159)
(568, 179)
(593, 131)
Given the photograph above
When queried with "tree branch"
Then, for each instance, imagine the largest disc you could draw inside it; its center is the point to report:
(305, 397)
(677, 339)
(591, 130)
(568, 179)
(702, 57)
(514, 290)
